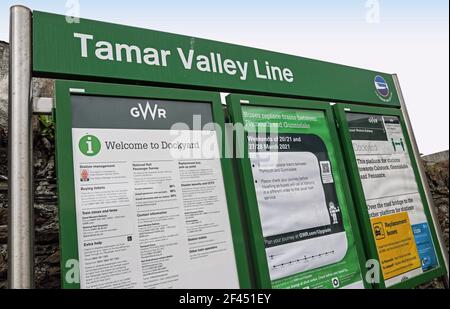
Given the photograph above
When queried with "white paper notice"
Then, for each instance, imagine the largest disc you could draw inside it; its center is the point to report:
(391, 189)
(302, 206)
(147, 220)
(387, 175)
(291, 199)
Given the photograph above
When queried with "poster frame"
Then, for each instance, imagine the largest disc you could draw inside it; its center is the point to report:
(340, 111)
(65, 171)
(251, 211)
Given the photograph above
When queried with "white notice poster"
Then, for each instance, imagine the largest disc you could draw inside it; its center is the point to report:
(151, 208)
(400, 226)
(298, 204)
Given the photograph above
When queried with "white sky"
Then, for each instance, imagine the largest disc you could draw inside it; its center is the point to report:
(411, 39)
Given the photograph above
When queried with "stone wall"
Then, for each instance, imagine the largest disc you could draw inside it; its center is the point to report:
(46, 212)
(4, 58)
(438, 180)
(436, 158)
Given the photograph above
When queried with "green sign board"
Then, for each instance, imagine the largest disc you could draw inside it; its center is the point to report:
(396, 221)
(299, 209)
(142, 205)
(143, 202)
(92, 49)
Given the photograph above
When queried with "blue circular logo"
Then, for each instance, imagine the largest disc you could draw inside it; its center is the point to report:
(382, 86)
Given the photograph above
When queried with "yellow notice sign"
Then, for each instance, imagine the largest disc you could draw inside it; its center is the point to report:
(396, 245)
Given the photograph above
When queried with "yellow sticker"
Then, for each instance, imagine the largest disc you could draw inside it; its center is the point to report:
(396, 245)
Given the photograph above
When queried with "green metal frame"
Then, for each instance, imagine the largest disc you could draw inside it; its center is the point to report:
(65, 171)
(359, 197)
(252, 214)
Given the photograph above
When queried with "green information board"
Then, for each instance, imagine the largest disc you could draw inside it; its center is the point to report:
(299, 210)
(143, 203)
(395, 218)
(135, 213)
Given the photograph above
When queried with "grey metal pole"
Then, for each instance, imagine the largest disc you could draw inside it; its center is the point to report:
(21, 223)
(422, 173)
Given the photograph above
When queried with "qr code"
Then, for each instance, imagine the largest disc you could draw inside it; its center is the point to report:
(326, 167)
(327, 175)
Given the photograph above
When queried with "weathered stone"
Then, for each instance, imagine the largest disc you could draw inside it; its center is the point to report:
(40, 87)
(3, 234)
(4, 59)
(3, 267)
(3, 216)
(53, 259)
(46, 212)
(48, 234)
(438, 179)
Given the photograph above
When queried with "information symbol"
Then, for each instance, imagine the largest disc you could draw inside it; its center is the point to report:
(90, 146)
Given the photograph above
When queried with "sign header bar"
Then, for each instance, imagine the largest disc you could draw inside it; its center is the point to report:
(103, 50)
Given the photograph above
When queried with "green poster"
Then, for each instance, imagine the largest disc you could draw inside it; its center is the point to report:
(304, 213)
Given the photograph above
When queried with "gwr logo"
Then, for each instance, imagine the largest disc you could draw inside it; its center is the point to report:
(373, 120)
(144, 111)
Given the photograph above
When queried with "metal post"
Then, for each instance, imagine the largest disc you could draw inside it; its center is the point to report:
(422, 174)
(21, 223)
